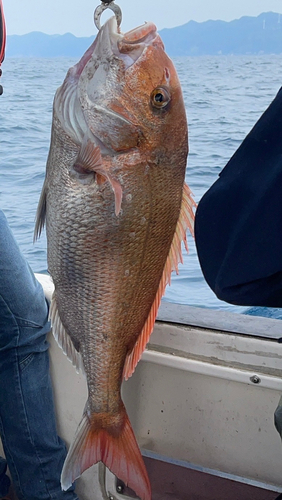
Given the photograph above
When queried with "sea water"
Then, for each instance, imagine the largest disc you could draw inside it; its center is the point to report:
(224, 97)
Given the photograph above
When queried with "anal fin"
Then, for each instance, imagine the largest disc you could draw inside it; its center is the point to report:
(63, 339)
(185, 222)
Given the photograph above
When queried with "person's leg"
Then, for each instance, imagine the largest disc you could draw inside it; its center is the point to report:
(34, 452)
(4, 480)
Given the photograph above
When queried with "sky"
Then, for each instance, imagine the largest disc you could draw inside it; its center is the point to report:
(76, 16)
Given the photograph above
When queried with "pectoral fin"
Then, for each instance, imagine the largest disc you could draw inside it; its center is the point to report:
(185, 221)
(90, 160)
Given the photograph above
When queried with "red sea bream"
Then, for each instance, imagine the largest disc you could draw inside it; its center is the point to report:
(116, 209)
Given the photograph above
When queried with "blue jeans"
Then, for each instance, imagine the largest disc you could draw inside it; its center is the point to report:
(34, 452)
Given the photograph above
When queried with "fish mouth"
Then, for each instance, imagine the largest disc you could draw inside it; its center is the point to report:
(126, 46)
(134, 42)
(88, 77)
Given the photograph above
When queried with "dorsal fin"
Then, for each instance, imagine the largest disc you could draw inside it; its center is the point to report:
(185, 221)
(63, 339)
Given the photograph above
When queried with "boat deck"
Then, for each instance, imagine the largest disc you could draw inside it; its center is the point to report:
(173, 482)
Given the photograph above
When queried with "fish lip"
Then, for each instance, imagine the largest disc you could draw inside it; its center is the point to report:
(142, 34)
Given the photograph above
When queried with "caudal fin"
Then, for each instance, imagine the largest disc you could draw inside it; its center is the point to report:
(114, 445)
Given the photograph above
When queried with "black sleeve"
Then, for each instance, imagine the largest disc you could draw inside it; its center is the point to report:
(238, 227)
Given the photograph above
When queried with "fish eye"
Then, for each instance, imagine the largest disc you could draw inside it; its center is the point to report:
(160, 97)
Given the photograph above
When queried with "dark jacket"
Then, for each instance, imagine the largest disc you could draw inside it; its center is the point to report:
(238, 225)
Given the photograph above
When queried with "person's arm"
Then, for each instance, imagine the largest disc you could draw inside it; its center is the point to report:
(238, 226)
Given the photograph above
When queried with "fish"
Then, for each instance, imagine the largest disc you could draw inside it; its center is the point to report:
(117, 209)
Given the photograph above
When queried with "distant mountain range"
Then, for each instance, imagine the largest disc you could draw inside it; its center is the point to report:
(248, 35)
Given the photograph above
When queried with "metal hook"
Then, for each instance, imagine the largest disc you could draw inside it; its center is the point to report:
(107, 4)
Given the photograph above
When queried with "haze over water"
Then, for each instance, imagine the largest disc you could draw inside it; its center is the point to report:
(224, 97)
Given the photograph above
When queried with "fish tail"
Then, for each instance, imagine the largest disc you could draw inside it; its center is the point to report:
(112, 443)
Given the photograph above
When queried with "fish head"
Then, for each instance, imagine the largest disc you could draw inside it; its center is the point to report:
(123, 94)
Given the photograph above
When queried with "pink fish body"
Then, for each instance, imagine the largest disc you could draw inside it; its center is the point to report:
(116, 209)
